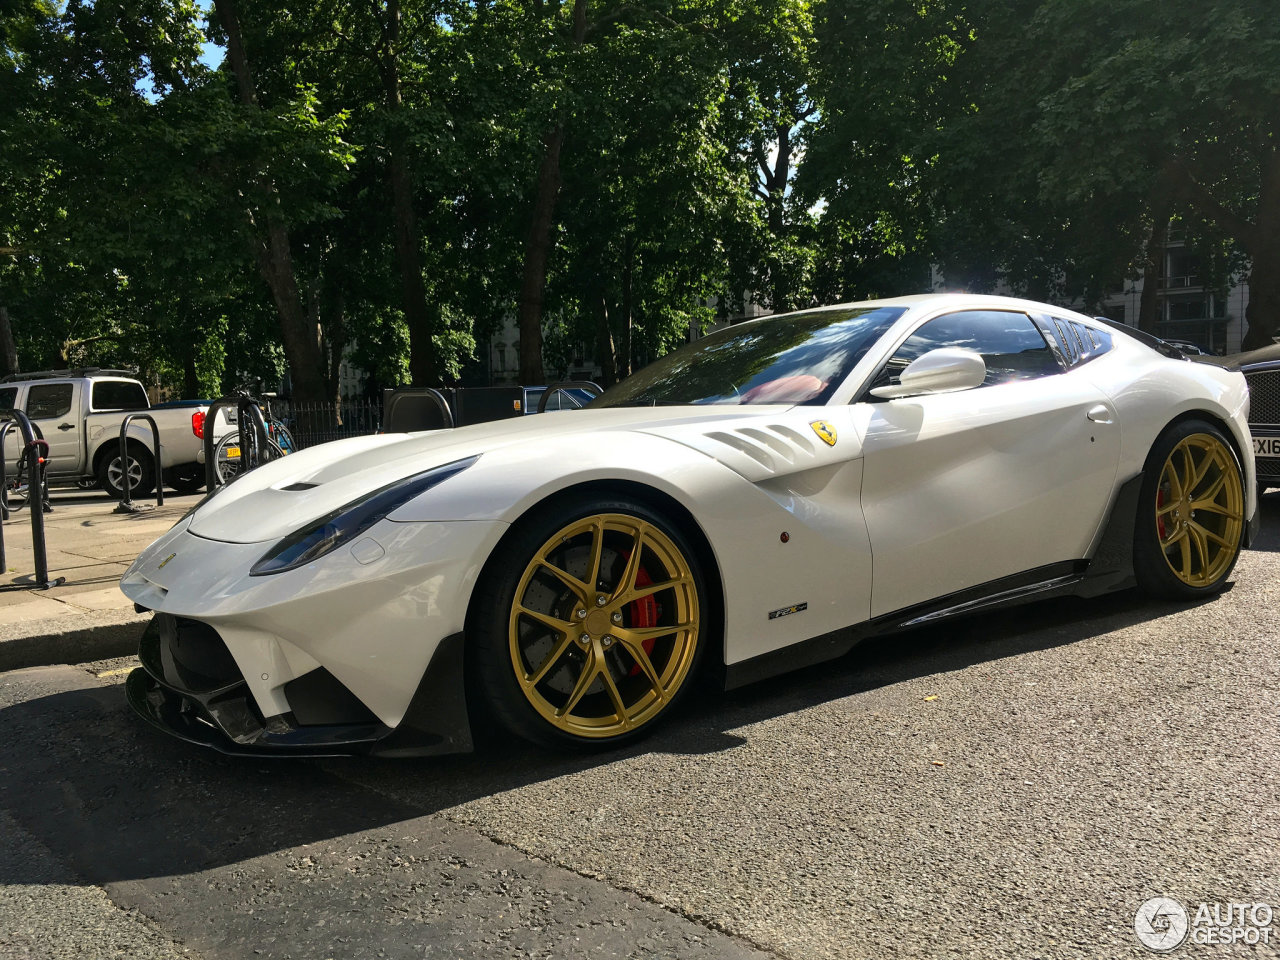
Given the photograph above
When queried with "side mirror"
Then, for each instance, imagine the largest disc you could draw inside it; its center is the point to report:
(944, 370)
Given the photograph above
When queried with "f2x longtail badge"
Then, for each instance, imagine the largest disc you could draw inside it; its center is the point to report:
(824, 430)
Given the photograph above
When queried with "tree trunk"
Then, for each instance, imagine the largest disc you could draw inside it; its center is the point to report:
(606, 350)
(190, 380)
(8, 348)
(628, 305)
(537, 249)
(333, 343)
(423, 368)
(775, 181)
(300, 337)
(274, 254)
(423, 365)
(1263, 312)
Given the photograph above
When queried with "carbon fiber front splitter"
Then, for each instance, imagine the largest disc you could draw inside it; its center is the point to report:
(178, 694)
(183, 717)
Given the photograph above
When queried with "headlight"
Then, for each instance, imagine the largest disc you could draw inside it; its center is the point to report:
(348, 522)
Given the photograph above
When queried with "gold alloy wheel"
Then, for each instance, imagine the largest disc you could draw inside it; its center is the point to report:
(1200, 510)
(604, 625)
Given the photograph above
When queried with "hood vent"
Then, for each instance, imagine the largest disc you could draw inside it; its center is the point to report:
(776, 447)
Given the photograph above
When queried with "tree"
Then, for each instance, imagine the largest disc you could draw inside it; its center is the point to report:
(768, 114)
(1190, 95)
(1047, 143)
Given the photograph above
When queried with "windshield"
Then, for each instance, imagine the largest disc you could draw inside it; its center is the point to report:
(794, 358)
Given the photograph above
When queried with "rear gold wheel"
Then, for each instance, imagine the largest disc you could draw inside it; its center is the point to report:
(1190, 539)
(601, 630)
(1200, 510)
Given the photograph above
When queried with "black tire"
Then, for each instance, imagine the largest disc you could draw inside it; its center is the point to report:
(1190, 525)
(185, 478)
(141, 467)
(612, 674)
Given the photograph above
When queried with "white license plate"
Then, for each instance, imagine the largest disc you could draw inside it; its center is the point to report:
(1266, 446)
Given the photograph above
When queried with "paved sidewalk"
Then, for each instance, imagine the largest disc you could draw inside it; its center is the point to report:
(91, 546)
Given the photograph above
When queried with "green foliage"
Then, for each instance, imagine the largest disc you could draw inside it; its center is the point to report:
(716, 153)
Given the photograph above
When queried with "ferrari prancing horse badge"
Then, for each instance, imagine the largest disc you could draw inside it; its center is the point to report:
(826, 431)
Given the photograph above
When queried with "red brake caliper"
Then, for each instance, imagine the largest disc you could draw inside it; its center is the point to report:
(643, 613)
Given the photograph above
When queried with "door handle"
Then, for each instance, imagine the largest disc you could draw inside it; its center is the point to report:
(1100, 414)
(66, 426)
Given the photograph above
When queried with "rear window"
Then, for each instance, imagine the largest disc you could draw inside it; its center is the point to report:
(8, 395)
(118, 395)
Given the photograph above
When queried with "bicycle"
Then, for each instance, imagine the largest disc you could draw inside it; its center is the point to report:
(228, 456)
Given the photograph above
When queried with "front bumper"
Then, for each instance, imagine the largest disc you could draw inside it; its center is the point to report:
(189, 686)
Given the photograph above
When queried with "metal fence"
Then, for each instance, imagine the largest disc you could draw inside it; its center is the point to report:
(312, 423)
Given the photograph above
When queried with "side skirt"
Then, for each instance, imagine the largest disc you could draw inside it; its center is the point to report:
(1110, 569)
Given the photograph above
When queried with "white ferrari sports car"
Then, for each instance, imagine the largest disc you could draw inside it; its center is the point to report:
(758, 500)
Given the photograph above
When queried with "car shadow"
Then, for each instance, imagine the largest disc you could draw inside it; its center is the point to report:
(118, 801)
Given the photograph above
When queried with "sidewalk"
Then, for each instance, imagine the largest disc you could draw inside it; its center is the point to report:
(87, 617)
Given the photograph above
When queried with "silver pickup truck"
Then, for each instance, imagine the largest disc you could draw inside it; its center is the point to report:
(80, 412)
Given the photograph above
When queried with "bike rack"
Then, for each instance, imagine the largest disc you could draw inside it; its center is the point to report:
(38, 487)
(406, 409)
(126, 504)
(5, 509)
(563, 387)
(247, 411)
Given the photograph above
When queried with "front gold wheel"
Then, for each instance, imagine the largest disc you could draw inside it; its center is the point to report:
(604, 626)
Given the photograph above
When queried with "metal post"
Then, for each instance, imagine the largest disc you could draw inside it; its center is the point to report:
(126, 504)
(35, 452)
(4, 493)
(4, 477)
(35, 506)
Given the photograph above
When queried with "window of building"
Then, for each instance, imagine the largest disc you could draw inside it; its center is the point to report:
(1188, 308)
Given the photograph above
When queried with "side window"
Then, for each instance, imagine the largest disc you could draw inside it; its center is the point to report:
(118, 395)
(1010, 344)
(8, 396)
(48, 400)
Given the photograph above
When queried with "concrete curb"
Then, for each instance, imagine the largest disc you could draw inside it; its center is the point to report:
(77, 640)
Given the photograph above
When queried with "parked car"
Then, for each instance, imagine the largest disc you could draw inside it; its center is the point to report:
(1261, 369)
(761, 499)
(79, 412)
(1189, 348)
(565, 398)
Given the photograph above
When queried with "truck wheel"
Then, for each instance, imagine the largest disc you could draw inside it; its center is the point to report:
(186, 478)
(142, 473)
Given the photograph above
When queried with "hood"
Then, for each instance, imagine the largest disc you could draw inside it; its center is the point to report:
(280, 497)
(1236, 361)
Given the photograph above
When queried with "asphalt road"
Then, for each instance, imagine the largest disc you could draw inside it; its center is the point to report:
(1010, 786)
